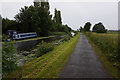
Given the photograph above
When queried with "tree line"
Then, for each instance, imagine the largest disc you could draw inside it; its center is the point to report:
(99, 27)
(36, 19)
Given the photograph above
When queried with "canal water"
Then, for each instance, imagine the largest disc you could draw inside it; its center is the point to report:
(24, 48)
(28, 45)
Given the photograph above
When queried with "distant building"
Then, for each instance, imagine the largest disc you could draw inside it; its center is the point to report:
(37, 3)
(41, 3)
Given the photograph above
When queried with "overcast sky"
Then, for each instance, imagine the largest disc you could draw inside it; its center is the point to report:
(74, 13)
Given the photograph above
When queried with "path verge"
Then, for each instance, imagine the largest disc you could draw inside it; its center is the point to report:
(103, 58)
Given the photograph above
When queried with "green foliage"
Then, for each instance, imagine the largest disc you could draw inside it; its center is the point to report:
(0, 16)
(58, 23)
(43, 48)
(81, 29)
(108, 43)
(66, 38)
(99, 28)
(34, 19)
(8, 59)
(57, 17)
(76, 32)
(87, 26)
(63, 28)
(38, 19)
(8, 24)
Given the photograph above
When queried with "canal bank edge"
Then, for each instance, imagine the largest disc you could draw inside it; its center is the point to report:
(49, 65)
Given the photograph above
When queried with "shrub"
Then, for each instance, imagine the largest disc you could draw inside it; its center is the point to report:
(44, 48)
(66, 38)
(8, 60)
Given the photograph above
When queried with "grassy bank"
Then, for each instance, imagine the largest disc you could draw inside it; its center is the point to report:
(49, 65)
(106, 46)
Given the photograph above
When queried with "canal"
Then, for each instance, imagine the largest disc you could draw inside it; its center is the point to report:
(31, 44)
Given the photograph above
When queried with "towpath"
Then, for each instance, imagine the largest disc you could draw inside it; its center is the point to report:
(84, 63)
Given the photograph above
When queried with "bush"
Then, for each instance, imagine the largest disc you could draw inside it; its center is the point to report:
(66, 38)
(43, 48)
(8, 60)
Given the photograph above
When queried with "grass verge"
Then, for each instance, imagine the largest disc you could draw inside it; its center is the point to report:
(114, 72)
(49, 65)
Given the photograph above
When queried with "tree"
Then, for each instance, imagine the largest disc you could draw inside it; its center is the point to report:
(9, 25)
(57, 17)
(45, 23)
(34, 19)
(4, 25)
(69, 29)
(45, 5)
(99, 28)
(58, 23)
(24, 18)
(0, 16)
(81, 28)
(65, 28)
(87, 26)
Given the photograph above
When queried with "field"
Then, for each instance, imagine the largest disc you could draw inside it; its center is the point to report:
(107, 47)
(49, 65)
